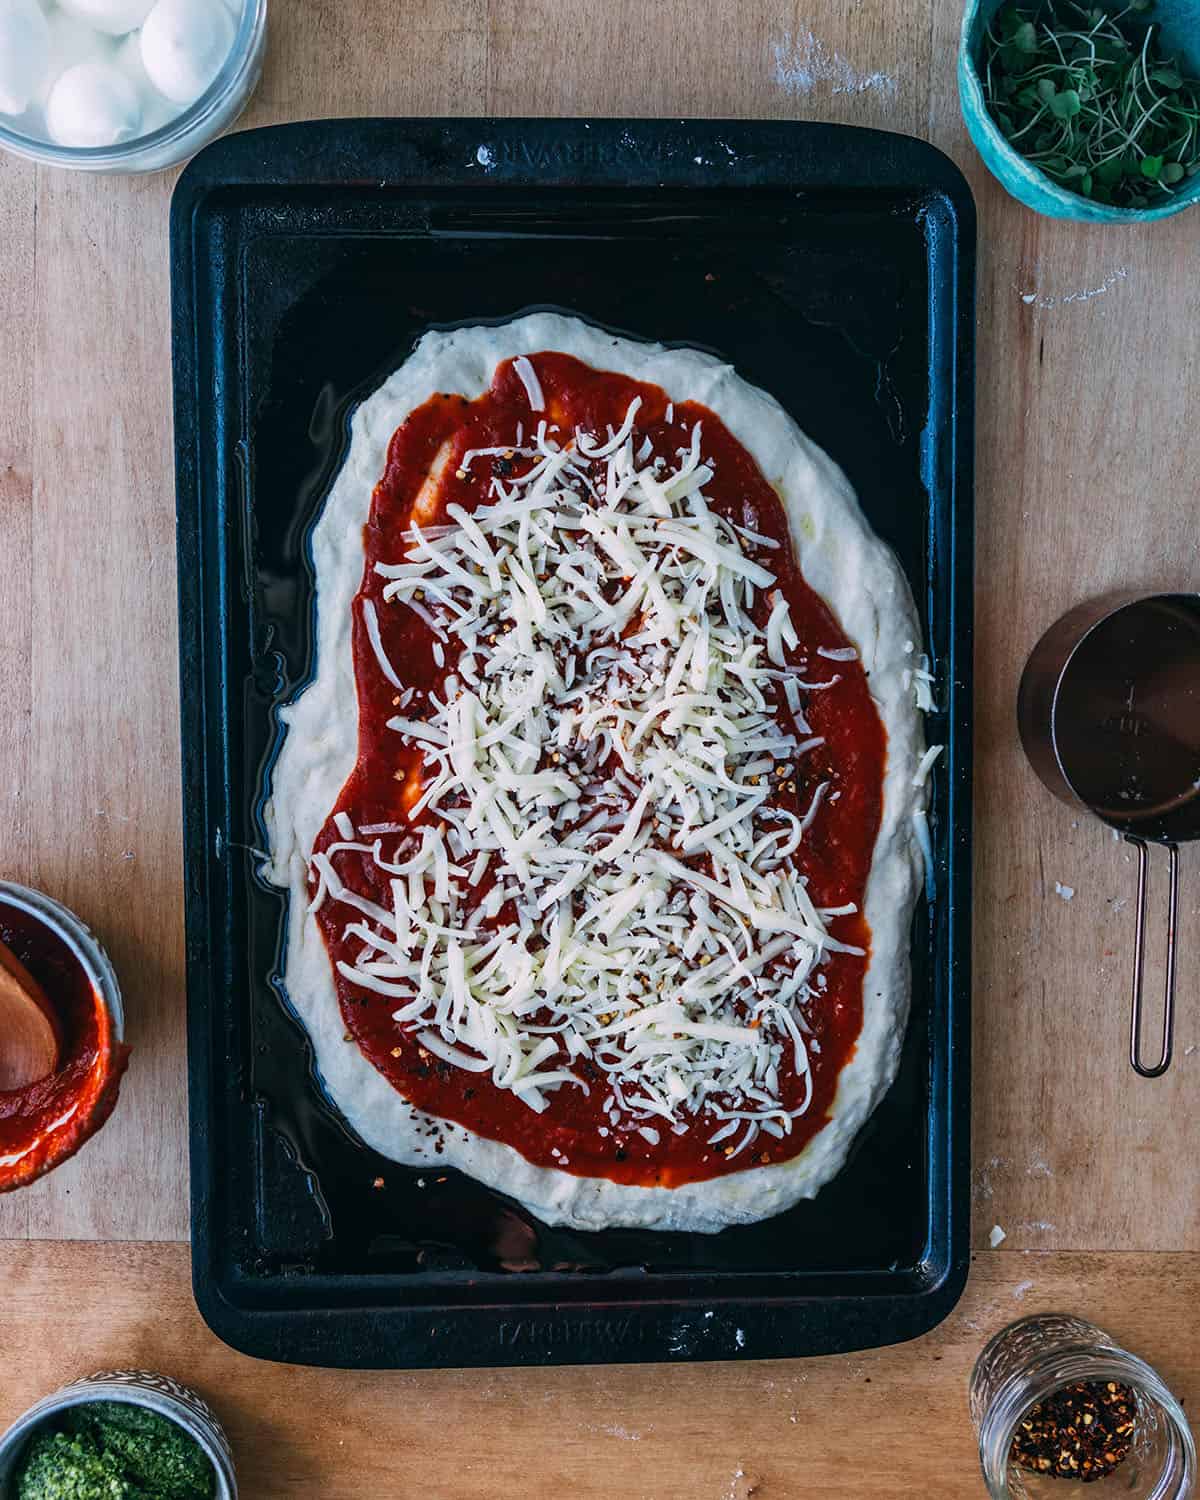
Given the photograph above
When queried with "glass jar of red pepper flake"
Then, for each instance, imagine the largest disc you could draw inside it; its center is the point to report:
(1059, 1404)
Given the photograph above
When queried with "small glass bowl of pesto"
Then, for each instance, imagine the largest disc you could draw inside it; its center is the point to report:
(119, 1435)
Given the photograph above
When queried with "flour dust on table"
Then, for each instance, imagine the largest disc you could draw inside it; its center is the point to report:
(597, 817)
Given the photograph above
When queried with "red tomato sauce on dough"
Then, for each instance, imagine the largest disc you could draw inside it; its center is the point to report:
(46, 1122)
(835, 854)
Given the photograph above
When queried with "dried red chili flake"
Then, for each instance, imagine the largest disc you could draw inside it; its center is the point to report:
(1083, 1431)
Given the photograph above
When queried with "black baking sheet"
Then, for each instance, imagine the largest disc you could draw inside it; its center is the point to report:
(834, 267)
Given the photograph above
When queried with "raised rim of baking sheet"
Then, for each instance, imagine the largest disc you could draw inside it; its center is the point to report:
(275, 230)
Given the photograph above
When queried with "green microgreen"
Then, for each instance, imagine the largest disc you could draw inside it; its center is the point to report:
(1088, 97)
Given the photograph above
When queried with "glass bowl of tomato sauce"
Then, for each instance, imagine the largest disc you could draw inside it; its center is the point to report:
(46, 1120)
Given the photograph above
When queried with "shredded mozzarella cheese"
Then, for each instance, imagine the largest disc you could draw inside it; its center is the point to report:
(598, 781)
(921, 774)
(533, 386)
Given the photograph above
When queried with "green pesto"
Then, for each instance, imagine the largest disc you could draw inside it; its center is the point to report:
(110, 1450)
(71, 1466)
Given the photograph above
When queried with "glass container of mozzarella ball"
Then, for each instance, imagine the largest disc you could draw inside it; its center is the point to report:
(124, 85)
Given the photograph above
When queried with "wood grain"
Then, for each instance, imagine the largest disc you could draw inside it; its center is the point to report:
(803, 1429)
(1088, 408)
(1088, 405)
(18, 190)
(384, 57)
(103, 773)
(860, 61)
(17, 234)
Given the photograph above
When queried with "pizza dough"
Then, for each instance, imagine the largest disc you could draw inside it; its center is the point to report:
(841, 559)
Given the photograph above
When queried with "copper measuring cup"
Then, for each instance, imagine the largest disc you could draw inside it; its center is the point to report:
(1109, 714)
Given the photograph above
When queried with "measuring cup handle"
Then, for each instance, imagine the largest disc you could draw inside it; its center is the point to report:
(1139, 962)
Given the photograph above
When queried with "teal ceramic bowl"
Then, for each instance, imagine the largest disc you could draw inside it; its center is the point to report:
(1181, 35)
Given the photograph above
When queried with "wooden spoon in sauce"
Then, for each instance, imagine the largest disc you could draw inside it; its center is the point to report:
(29, 1035)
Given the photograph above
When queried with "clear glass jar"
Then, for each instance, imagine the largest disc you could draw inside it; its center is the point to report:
(1030, 1360)
(215, 110)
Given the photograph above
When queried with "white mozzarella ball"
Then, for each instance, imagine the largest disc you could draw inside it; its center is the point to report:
(24, 53)
(93, 104)
(116, 17)
(156, 110)
(71, 42)
(184, 43)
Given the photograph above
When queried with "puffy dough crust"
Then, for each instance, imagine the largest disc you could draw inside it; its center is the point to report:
(841, 558)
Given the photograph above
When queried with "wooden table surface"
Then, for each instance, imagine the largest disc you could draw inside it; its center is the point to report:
(1088, 408)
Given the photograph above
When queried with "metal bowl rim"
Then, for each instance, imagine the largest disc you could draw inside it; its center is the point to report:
(89, 1391)
(1118, 603)
(79, 938)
